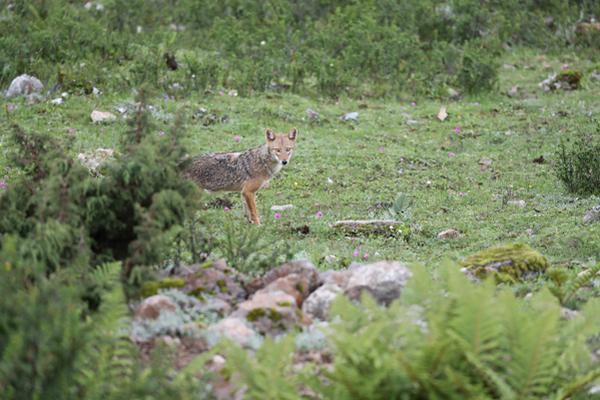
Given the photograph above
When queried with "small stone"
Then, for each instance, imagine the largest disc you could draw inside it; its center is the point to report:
(448, 234)
(484, 163)
(282, 207)
(513, 91)
(32, 99)
(384, 280)
(95, 159)
(595, 75)
(351, 116)
(453, 94)
(442, 115)
(96, 91)
(301, 267)
(518, 203)
(312, 114)
(58, 100)
(509, 67)
(568, 314)
(102, 116)
(24, 85)
(153, 306)
(592, 215)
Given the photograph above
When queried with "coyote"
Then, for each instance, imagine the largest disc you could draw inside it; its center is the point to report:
(246, 171)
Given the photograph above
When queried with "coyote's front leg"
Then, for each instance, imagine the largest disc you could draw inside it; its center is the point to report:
(249, 198)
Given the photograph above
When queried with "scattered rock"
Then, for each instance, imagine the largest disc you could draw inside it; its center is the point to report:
(584, 29)
(442, 115)
(303, 268)
(383, 279)
(312, 114)
(351, 116)
(386, 227)
(339, 278)
(33, 98)
(592, 215)
(234, 329)
(282, 207)
(453, 94)
(518, 203)
(509, 67)
(448, 234)
(153, 306)
(95, 159)
(57, 101)
(595, 75)
(484, 163)
(568, 314)
(507, 263)
(513, 91)
(24, 85)
(270, 313)
(567, 79)
(319, 302)
(99, 117)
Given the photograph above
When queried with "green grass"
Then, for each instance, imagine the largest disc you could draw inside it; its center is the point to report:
(370, 161)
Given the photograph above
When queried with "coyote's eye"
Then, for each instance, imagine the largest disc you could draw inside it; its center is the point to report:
(278, 150)
(288, 149)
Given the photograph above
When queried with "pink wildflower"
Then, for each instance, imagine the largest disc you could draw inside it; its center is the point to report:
(319, 215)
(226, 209)
(3, 185)
(366, 256)
(451, 154)
(457, 130)
(237, 138)
(356, 253)
(277, 216)
(413, 104)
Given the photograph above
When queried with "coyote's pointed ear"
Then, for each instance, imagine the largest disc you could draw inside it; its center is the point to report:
(270, 135)
(293, 133)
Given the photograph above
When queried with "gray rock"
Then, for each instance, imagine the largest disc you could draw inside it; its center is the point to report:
(301, 267)
(319, 302)
(270, 313)
(282, 207)
(351, 116)
(234, 329)
(312, 114)
(592, 215)
(99, 117)
(384, 279)
(93, 160)
(448, 234)
(24, 85)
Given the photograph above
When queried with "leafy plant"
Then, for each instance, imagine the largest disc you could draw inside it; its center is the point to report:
(578, 166)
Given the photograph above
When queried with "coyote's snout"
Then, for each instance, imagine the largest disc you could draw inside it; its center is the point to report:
(245, 172)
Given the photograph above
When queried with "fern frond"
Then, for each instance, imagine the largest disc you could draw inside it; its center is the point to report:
(584, 278)
(578, 384)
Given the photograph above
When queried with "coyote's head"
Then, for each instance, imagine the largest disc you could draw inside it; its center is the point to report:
(281, 145)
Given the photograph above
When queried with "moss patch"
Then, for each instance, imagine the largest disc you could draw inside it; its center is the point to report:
(152, 288)
(509, 263)
(255, 314)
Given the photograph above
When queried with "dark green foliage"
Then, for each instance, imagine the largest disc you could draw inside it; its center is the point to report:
(578, 164)
(132, 213)
(362, 47)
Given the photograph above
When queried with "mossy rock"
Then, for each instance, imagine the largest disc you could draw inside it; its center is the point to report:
(510, 263)
(571, 77)
(152, 288)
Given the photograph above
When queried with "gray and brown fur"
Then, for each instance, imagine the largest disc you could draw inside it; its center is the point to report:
(246, 171)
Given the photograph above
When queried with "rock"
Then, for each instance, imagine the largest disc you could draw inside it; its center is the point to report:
(484, 163)
(33, 98)
(568, 314)
(583, 29)
(448, 234)
(518, 203)
(387, 227)
(566, 79)
(513, 91)
(234, 329)
(339, 278)
(99, 117)
(319, 302)
(442, 115)
(303, 268)
(312, 114)
(509, 263)
(270, 313)
(153, 306)
(592, 215)
(295, 285)
(595, 75)
(282, 207)
(57, 101)
(351, 116)
(384, 280)
(453, 94)
(216, 280)
(24, 85)
(95, 159)
(509, 67)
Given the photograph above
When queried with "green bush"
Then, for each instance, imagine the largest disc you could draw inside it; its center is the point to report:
(445, 338)
(578, 165)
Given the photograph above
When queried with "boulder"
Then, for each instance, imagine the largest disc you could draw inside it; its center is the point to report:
(235, 329)
(384, 280)
(303, 268)
(295, 285)
(153, 306)
(99, 117)
(270, 313)
(319, 302)
(593, 215)
(24, 85)
(214, 279)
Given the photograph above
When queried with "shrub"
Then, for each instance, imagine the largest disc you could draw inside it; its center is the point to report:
(578, 165)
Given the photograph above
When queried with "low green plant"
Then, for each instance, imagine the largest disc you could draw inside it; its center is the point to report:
(578, 164)
(445, 338)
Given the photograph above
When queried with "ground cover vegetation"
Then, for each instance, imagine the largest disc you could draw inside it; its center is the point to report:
(509, 164)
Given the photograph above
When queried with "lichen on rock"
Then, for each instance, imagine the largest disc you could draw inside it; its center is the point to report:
(509, 263)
